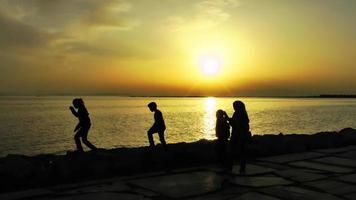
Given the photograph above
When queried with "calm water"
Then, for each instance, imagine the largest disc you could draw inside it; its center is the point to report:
(33, 125)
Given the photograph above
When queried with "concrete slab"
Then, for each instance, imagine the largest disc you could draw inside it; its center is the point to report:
(322, 167)
(76, 185)
(274, 166)
(113, 187)
(292, 157)
(144, 175)
(349, 154)
(214, 196)
(104, 196)
(297, 193)
(234, 190)
(189, 169)
(351, 178)
(252, 169)
(144, 192)
(260, 181)
(333, 187)
(25, 194)
(337, 161)
(182, 185)
(300, 175)
(254, 196)
(337, 150)
(350, 196)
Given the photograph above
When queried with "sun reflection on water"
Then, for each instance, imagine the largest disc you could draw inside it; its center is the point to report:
(209, 118)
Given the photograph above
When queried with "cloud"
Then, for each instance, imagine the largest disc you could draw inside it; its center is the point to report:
(15, 34)
(206, 14)
(56, 15)
(99, 50)
(62, 27)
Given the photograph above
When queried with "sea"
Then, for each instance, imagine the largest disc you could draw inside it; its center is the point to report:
(32, 125)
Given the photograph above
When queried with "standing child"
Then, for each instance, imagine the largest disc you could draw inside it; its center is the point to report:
(240, 135)
(157, 127)
(222, 131)
(83, 126)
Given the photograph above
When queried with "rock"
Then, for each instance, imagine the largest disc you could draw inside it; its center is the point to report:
(349, 134)
(347, 131)
(296, 144)
(18, 171)
(322, 140)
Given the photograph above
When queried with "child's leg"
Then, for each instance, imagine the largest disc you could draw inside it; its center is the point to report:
(88, 144)
(161, 138)
(224, 150)
(219, 149)
(242, 156)
(150, 133)
(231, 153)
(77, 141)
(85, 138)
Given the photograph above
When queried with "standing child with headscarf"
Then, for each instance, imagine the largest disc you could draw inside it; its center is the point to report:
(240, 135)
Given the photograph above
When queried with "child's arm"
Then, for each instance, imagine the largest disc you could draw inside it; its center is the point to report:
(73, 111)
(227, 116)
(77, 127)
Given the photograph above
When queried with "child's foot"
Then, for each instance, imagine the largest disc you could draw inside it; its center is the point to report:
(78, 151)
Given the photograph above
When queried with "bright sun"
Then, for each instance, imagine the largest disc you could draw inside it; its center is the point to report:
(210, 65)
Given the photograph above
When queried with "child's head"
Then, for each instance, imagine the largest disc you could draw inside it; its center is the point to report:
(239, 106)
(220, 114)
(78, 102)
(152, 106)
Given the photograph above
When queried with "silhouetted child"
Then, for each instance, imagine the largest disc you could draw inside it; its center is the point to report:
(157, 127)
(83, 126)
(222, 131)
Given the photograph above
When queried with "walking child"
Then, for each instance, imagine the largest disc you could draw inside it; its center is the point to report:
(157, 127)
(82, 128)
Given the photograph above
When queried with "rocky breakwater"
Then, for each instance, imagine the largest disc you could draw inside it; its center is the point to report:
(21, 172)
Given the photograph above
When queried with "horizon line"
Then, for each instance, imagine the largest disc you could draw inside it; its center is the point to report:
(189, 96)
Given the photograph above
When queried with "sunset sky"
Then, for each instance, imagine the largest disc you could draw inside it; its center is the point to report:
(165, 47)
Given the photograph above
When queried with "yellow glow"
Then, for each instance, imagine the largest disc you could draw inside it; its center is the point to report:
(210, 104)
(209, 118)
(216, 58)
(186, 48)
(210, 65)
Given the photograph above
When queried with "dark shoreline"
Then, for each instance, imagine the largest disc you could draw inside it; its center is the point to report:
(23, 172)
